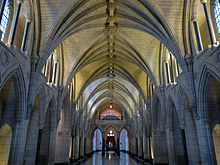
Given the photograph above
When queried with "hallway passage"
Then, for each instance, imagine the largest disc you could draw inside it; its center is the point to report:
(112, 159)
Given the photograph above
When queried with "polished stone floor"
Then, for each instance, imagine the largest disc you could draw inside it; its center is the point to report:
(111, 159)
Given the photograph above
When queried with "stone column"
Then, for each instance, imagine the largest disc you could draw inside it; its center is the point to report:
(18, 143)
(160, 147)
(25, 37)
(198, 36)
(82, 147)
(140, 147)
(170, 144)
(88, 145)
(134, 146)
(52, 146)
(77, 147)
(15, 23)
(206, 145)
(144, 147)
(73, 147)
(209, 22)
(149, 148)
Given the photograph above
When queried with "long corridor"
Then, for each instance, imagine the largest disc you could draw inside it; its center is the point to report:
(111, 159)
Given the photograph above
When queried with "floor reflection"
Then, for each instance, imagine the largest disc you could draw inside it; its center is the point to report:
(111, 158)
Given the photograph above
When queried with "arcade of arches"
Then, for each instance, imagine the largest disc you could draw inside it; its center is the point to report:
(139, 78)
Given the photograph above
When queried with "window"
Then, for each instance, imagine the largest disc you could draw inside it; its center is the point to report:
(217, 14)
(4, 21)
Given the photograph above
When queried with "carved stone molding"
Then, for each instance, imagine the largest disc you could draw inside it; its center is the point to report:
(218, 58)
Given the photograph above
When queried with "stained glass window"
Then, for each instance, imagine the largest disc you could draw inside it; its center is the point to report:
(217, 14)
(4, 21)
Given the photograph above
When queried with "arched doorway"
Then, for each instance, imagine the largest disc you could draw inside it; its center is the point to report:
(124, 140)
(5, 143)
(111, 137)
(97, 140)
(10, 98)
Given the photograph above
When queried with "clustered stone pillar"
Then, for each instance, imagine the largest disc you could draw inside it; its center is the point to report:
(18, 143)
(72, 149)
(170, 144)
(134, 145)
(140, 151)
(52, 146)
(209, 22)
(88, 146)
(149, 148)
(206, 145)
(198, 36)
(144, 147)
(15, 23)
(77, 147)
(82, 147)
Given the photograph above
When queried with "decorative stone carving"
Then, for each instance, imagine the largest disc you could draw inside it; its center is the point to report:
(29, 109)
(4, 58)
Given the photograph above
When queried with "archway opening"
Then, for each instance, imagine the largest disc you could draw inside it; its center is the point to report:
(179, 150)
(9, 99)
(97, 140)
(111, 143)
(212, 111)
(5, 144)
(124, 140)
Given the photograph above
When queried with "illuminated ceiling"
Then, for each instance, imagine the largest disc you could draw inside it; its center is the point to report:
(110, 48)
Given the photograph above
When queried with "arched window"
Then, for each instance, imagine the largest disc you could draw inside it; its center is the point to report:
(4, 21)
(217, 14)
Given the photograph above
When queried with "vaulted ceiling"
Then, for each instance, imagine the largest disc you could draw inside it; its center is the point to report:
(110, 47)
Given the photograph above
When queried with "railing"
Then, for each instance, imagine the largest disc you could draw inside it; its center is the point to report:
(110, 118)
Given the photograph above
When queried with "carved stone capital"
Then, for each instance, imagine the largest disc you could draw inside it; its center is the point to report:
(203, 1)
